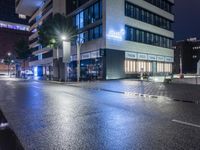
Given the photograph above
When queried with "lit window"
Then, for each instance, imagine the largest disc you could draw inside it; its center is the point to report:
(22, 16)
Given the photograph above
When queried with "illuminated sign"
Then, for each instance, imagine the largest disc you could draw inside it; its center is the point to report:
(142, 56)
(116, 35)
(93, 54)
(152, 57)
(131, 55)
(13, 26)
(160, 58)
(169, 59)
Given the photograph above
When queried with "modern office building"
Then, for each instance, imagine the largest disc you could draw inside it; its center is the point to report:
(13, 27)
(187, 51)
(120, 38)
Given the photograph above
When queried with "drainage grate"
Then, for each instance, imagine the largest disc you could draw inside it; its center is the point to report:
(185, 101)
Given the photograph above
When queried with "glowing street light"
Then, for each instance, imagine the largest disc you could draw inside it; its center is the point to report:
(9, 54)
(64, 38)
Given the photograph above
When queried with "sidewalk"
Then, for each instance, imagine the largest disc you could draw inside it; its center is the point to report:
(177, 90)
(182, 92)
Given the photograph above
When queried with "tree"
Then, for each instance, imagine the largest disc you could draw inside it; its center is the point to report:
(22, 49)
(52, 29)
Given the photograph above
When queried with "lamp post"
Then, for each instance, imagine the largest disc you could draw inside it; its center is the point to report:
(181, 65)
(79, 43)
(78, 60)
(64, 38)
(9, 55)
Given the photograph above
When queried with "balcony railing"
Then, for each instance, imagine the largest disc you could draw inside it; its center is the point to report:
(47, 8)
(17, 2)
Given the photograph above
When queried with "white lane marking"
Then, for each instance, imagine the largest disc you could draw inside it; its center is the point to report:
(186, 123)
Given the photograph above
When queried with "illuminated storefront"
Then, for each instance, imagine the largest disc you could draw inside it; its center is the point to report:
(151, 64)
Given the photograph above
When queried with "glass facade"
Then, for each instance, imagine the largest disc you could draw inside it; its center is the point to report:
(91, 69)
(91, 34)
(141, 14)
(163, 4)
(88, 16)
(138, 35)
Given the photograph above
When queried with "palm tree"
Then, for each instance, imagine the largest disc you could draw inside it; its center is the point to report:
(51, 30)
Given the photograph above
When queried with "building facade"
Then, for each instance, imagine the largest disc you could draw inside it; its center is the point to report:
(124, 38)
(119, 39)
(188, 52)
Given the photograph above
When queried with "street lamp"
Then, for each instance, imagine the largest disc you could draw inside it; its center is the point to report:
(78, 45)
(63, 38)
(181, 65)
(66, 53)
(9, 54)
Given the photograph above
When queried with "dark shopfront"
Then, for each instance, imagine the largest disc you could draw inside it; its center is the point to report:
(104, 65)
(91, 69)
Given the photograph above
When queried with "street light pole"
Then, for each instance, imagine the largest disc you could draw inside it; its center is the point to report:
(78, 49)
(181, 66)
(78, 61)
(9, 59)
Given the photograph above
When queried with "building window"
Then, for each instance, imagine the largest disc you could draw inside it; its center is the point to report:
(89, 15)
(134, 66)
(137, 35)
(22, 16)
(160, 67)
(91, 34)
(130, 66)
(168, 67)
(141, 14)
(163, 4)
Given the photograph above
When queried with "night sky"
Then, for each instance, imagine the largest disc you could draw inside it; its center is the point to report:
(187, 19)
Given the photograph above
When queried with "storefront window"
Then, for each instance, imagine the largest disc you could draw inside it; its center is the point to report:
(133, 66)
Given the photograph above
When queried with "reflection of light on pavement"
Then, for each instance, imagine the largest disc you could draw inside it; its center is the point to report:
(35, 71)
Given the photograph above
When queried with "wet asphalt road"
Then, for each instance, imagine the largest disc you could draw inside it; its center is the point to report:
(55, 116)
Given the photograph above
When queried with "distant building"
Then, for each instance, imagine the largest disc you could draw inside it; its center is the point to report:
(13, 27)
(120, 38)
(189, 52)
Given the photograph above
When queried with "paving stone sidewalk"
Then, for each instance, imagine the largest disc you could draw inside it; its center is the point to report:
(182, 92)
